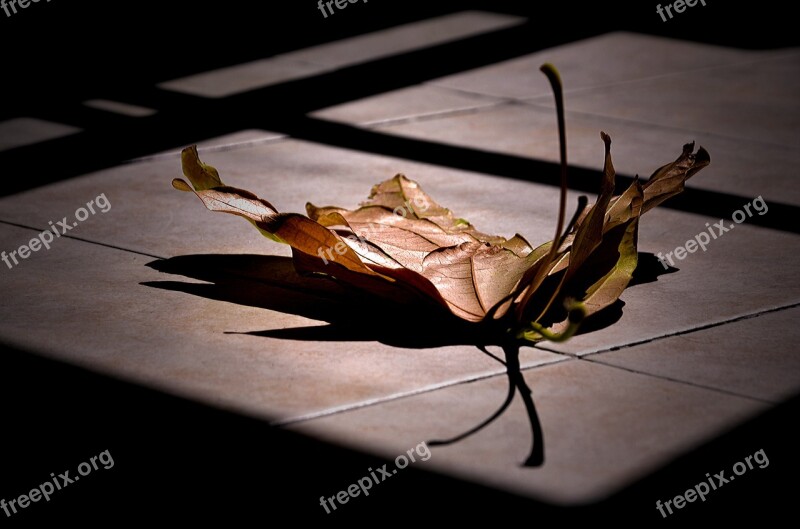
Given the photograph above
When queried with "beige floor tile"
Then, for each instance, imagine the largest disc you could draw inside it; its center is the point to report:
(603, 429)
(236, 140)
(23, 131)
(748, 270)
(116, 107)
(754, 101)
(608, 59)
(754, 357)
(406, 104)
(315, 60)
(737, 166)
(744, 271)
(240, 78)
(404, 38)
(88, 305)
(147, 215)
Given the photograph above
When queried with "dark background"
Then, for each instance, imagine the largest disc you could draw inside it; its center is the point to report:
(180, 461)
(54, 53)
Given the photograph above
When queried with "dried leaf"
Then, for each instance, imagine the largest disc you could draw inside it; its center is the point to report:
(402, 245)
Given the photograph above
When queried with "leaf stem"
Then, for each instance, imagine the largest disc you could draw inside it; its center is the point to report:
(555, 82)
(534, 331)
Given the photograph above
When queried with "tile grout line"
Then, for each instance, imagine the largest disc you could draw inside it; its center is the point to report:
(211, 148)
(690, 330)
(471, 93)
(670, 335)
(301, 290)
(73, 237)
(789, 52)
(784, 54)
(679, 381)
(491, 102)
(318, 55)
(503, 102)
(402, 395)
(435, 387)
(566, 357)
(649, 124)
(431, 116)
(498, 101)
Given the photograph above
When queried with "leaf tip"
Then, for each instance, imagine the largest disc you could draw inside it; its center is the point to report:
(550, 71)
(189, 154)
(702, 156)
(180, 185)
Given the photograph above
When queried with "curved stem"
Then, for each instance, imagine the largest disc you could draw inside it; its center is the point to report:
(484, 423)
(555, 82)
(516, 381)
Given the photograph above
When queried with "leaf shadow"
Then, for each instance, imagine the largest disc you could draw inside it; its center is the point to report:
(271, 282)
(648, 269)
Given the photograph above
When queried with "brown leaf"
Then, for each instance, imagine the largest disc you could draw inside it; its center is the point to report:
(402, 245)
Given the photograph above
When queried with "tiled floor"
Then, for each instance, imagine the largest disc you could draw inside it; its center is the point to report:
(694, 352)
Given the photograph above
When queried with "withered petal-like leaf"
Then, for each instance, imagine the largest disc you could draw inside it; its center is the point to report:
(476, 276)
(589, 234)
(608, 289)
(668, 180)
(402, 245)
(302, 233)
